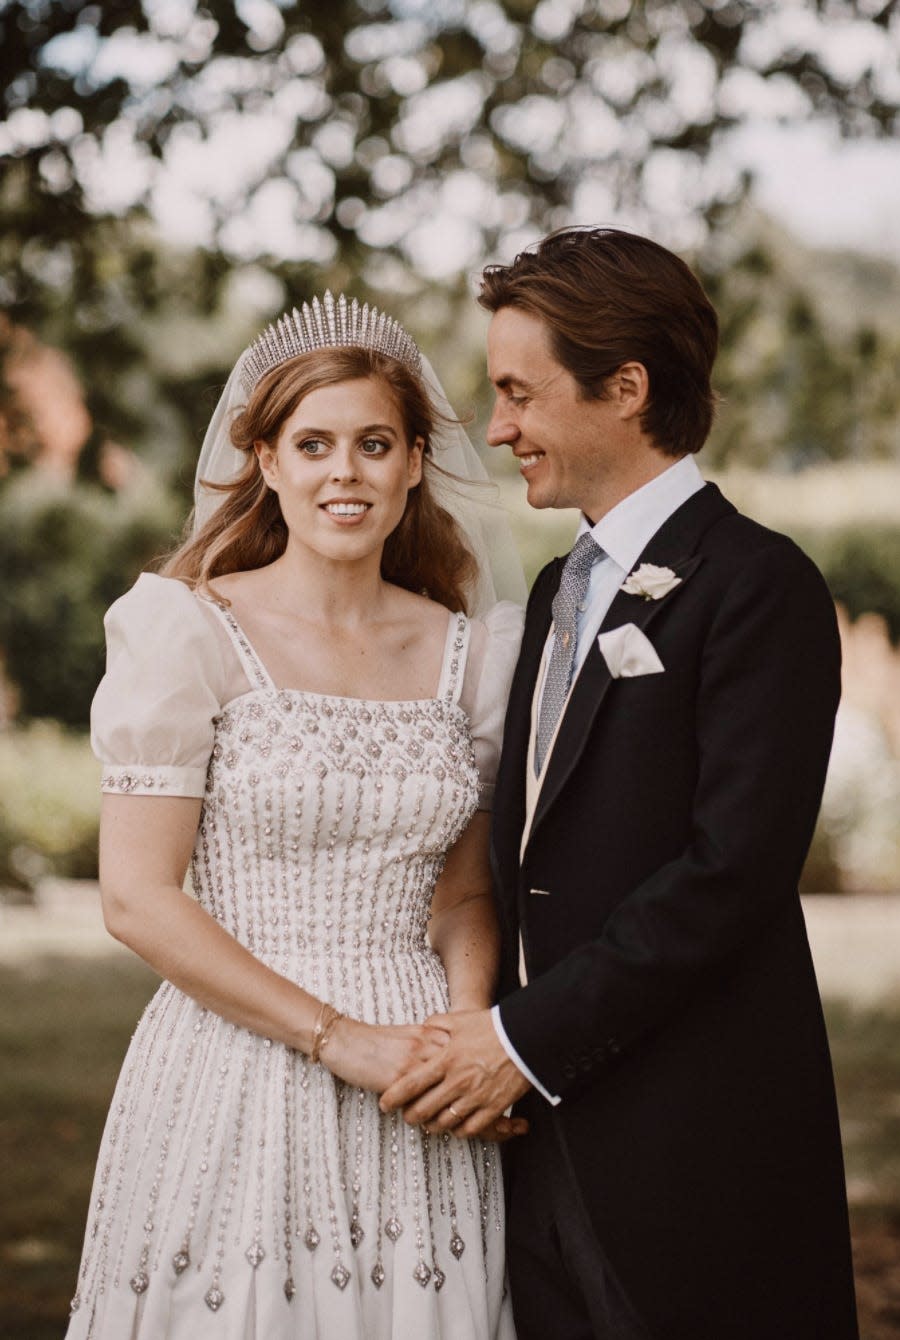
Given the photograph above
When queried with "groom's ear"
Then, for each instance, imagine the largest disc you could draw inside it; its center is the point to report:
(630, 388)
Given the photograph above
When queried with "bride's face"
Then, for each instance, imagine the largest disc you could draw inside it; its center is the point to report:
(342, 468)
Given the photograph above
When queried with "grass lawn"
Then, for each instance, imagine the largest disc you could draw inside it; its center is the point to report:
(64, 1025)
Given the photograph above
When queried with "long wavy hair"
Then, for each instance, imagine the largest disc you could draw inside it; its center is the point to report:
(425, 553)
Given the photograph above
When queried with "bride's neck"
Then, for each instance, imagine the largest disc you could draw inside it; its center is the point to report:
(328, 591)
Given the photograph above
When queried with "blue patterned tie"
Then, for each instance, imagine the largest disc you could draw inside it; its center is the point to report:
(576, 576)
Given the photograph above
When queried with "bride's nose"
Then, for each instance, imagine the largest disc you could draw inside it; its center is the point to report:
(344, 463)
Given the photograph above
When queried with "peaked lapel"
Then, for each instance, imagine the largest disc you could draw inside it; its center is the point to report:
(509, 794)
(680, 534)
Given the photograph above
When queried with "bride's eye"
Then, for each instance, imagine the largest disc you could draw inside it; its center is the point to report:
(374, 446)
(314, 446)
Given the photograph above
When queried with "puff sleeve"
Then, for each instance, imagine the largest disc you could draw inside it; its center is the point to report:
(153, 716)
(492, 659)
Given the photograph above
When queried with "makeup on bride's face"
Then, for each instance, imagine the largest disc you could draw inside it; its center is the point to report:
(342, 468)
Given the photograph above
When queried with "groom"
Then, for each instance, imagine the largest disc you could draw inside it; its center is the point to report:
(666, 743)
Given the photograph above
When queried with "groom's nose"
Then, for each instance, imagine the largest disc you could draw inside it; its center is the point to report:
(502, 426)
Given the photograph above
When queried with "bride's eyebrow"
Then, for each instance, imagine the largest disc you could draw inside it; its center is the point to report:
(329, 433)
(378, 428)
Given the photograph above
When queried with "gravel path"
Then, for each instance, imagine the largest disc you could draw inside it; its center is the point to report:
(855, 939)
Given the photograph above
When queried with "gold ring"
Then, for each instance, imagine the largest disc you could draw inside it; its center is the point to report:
(451, 1108)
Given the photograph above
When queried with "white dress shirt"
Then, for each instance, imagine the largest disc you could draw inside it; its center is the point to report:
(622, 534)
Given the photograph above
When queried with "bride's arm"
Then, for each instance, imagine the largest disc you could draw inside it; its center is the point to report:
(145, 846)
(463, 927)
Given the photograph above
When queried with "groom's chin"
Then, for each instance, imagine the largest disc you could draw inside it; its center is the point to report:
(537, 496)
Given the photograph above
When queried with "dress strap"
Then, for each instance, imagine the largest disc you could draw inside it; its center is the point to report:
(254, 669)
(456, 652)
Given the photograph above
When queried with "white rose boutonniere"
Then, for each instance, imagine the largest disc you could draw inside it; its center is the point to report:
(650, 582)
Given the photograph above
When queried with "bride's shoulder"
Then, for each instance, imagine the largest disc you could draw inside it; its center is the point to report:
(504, 620)
(494, 649)
(159, 609)
(498, 630)
(153, 592)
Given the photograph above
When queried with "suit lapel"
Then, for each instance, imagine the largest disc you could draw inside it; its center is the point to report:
(509, 795)
(681, 533)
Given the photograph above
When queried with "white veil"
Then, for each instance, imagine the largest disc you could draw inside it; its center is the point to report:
(470, 496)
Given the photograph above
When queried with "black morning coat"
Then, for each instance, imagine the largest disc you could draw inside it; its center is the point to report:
(672, 1002)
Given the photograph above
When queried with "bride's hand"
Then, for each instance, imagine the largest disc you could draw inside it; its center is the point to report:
(372, 1056)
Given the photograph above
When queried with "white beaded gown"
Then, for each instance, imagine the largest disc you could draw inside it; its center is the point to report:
(242, 1192)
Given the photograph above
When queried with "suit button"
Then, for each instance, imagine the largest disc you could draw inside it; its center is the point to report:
(613, 1047)
(584, 1061)
(599, 1053)
(569, 1071)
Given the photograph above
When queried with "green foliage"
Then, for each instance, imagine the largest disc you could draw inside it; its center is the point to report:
(64, 1028)
(801, 381)
(551, 99)
(67, 553)
(50, 804)
(861, 565)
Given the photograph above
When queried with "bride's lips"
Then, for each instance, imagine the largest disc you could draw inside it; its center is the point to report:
(346, 511)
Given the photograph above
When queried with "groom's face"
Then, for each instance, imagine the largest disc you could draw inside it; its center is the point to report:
(565, 445)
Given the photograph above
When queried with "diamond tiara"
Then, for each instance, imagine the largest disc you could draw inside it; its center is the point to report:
(329, 324)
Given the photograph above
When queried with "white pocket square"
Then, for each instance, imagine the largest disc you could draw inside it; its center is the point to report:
(628, 652)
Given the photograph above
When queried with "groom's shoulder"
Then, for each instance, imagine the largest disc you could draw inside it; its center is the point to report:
(739, 546)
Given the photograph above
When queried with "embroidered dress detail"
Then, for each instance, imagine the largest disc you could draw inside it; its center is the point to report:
(240, 1189)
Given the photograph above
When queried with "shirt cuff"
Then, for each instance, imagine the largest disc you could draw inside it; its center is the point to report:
(516, 1059)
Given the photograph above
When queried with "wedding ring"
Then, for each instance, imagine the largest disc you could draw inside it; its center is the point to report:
(451, 1108)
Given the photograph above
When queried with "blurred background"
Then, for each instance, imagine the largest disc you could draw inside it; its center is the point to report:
(174, 174)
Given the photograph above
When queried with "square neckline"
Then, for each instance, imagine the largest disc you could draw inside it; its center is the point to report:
(449, 679)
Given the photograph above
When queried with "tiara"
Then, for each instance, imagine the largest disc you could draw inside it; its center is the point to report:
(329, 324)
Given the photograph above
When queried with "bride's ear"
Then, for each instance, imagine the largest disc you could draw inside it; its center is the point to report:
(415, 462)
(268, 463)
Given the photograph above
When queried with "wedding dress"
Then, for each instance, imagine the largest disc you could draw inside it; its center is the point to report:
(242, 1191)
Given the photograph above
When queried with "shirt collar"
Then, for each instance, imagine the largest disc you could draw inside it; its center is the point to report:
(627, 528)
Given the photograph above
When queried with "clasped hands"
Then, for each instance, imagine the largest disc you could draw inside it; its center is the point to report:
(464, 1084)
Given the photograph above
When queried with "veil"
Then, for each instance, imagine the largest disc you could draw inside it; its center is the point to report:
(462, 486)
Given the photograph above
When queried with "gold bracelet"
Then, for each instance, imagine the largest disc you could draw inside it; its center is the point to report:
(329, 1027)
(325, 1022)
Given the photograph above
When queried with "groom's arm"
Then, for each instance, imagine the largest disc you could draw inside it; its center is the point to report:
(769, 688)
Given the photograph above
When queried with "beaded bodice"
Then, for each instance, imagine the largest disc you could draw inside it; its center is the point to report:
(326, 819)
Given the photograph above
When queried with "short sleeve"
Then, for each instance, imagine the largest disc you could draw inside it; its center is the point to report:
(493, 653)
(153, 716)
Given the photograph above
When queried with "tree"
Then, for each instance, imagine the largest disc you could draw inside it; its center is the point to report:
(358, 118)
(317, 142)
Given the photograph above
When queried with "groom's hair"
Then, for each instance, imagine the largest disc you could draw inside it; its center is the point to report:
(609, 297)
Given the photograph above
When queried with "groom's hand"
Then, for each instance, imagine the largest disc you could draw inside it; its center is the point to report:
(472, 1073)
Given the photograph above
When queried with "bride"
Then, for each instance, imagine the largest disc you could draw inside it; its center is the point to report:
(301, 713)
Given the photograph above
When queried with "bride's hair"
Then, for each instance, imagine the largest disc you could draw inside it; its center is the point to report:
(426, 553)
